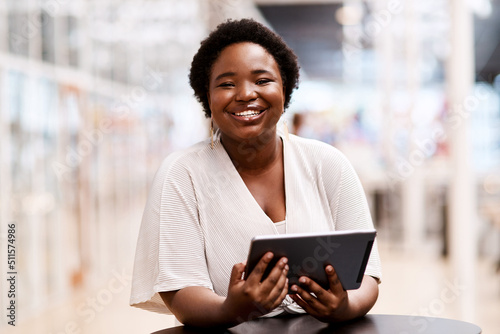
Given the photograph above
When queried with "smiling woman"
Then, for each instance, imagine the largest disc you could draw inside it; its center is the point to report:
(246, 94)
(208, 201)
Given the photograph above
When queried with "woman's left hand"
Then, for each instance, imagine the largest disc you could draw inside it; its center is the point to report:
(325, 305)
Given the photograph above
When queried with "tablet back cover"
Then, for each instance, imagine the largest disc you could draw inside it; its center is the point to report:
(309, 254)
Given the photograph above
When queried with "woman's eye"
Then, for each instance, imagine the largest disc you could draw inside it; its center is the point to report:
(226, 84)
(263, 81)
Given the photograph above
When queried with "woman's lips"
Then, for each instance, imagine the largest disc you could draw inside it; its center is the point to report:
(248, 115)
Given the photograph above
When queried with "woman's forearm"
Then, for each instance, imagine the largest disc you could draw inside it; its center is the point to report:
(361, 300)
(246, 299)
(200, 307)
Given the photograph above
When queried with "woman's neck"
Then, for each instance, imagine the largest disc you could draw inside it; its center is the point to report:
(254, 156)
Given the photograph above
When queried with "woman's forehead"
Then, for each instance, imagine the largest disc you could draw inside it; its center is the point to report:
(244, 56)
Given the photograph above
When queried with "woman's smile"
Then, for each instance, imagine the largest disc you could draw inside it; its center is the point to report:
(248, 113)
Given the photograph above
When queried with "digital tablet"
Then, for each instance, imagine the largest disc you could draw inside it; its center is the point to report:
(309, 254)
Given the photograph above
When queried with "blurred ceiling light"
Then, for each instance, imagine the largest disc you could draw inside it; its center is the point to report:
(349, 15)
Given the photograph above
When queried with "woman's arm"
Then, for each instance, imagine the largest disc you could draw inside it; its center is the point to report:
(362, 300)
(246, 299)
(197, 306)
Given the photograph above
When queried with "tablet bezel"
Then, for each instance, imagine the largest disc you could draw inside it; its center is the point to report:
(347, 251)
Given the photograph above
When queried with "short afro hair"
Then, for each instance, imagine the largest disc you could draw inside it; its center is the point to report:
(231, 32)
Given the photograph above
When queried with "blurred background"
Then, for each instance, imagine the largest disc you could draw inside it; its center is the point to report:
(94, 94)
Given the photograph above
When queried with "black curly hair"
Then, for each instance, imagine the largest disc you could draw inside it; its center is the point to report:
(236, 31)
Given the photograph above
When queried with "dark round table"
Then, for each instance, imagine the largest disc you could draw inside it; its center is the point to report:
(369, 324)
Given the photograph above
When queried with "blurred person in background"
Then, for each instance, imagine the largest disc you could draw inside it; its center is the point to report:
(248, 179)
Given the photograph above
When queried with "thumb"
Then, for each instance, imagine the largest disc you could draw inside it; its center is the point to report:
(335, 284)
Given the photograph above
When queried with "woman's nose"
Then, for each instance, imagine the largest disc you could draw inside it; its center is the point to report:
(246, 92)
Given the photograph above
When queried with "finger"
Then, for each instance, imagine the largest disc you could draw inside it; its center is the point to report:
(237, 273)
(311, 286)
(304, 293)
(258, 271)
(335, 286)
(301, 302)
(276, 276)
(321, 298)
(277, 289)
(282, 296)
(284, 292)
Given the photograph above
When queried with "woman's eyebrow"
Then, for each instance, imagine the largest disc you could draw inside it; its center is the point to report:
(261, 72)
(226, 74)
(231, 74)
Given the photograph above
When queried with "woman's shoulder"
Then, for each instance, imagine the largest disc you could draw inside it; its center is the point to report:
(186, 158)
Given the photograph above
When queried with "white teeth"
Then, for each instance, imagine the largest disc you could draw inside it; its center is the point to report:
(248, 113)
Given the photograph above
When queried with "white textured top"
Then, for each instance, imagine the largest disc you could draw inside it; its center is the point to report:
(281, 227)
(200, 217)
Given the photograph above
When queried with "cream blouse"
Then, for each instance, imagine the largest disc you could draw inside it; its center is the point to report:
(200, 216)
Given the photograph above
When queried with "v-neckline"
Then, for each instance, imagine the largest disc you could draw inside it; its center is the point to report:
(248, 197)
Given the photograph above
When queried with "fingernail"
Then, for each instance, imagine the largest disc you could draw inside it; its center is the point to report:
(269, 256)
(286, 267)
(329, 269)
(302, 280)
(294, 288)
(284, 260)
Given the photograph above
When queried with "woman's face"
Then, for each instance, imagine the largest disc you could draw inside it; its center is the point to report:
(246, 93)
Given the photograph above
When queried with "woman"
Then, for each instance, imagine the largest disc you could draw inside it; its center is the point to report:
(209, 200)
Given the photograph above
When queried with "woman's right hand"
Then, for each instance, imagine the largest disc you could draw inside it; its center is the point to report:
(251, 298)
